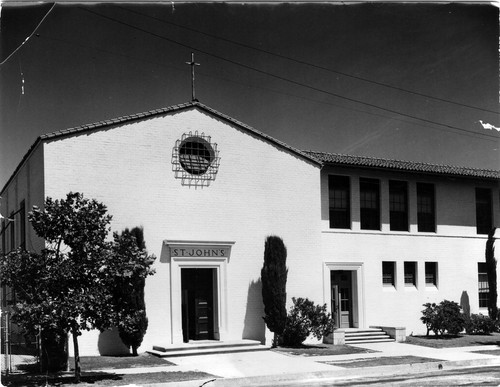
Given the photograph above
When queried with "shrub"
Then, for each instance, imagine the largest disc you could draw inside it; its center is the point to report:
(481, 325)
(306, 318)
(443, 317)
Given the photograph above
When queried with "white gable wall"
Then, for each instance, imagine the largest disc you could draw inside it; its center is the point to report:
(260, 190)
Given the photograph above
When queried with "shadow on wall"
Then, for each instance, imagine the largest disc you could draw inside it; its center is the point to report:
(255, 327)
(465, 304)
(110, 344)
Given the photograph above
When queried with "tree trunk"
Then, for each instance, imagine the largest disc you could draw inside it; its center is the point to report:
(78, 371)
(134, 350)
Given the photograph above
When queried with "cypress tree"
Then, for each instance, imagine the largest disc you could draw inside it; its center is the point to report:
(274, 275)
(129, 293)
(491, 268)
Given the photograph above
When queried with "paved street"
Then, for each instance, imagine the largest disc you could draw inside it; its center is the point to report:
(480, 376)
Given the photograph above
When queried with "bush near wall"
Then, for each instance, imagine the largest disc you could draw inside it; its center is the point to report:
(445, 317)
(304, 319)
(481, 325)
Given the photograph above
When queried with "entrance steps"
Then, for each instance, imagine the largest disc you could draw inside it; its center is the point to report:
(207, 347)
(367, 335)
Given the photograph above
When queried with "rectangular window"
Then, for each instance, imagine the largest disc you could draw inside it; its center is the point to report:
(12, 228)
(340, 204)
(22, 226)
(426, 217)
(398, 205)
(389, 273)
(483, 287)
(4, 241)
(484, 218)
(410, 273)
(369, 193)
(431, 273)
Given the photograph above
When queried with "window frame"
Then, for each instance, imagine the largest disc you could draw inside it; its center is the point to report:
(391, 273)
(426, 221)
(484, 210)
(344, 189)
(410, 273)
(483, 287)
(431, 272)
(369, 216)
(398, 220)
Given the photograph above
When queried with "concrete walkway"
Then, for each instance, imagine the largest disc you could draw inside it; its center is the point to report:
(275, 368)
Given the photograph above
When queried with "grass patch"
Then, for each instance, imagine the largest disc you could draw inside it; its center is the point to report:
(381, 361)
(321, 350)
(454, 341)
(103, 379)
(89, 363)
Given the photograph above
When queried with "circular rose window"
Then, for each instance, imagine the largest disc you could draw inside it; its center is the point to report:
(195, 159)
(195, 155)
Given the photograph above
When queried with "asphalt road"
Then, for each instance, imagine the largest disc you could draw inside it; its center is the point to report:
(481, 376)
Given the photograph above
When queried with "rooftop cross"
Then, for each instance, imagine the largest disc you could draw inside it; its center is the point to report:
(192, 64)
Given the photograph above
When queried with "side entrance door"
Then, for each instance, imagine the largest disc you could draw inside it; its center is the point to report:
(341, 298)
(197, 304)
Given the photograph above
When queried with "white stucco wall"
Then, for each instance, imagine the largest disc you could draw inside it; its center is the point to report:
(455, 247)
(260, 190)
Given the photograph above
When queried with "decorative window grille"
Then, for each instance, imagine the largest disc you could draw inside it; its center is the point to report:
(195, 160)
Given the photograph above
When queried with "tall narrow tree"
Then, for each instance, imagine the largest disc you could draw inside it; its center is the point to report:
(128, 292)
(491, 268)
(274, 275)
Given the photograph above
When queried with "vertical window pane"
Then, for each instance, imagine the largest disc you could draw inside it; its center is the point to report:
(483, 286)
(484, 221)
(339, 197)
(12, 227)
(426, 217)
(411, 273)
(431, 273)
(22, 226)
(388, 273)
(398, 205)
(369, 190)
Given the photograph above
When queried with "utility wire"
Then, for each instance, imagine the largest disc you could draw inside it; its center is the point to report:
(283, 78)
(73, 44)
(309, 63)
(30, 35)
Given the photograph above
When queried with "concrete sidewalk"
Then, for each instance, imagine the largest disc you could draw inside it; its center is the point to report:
(268, 368)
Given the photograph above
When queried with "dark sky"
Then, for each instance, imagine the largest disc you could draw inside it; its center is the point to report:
(403, 81)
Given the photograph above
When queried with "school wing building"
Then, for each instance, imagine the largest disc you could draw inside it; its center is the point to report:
(374, 239)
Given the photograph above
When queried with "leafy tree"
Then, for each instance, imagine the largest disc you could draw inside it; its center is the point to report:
(491, 268)
(274, 275)
(129, 249)
(306, 318)
(67, 288)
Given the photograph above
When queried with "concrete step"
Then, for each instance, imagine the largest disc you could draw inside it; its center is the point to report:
(368, 341)
(206, 348)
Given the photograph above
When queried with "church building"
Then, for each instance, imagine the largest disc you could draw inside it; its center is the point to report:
(374, 239)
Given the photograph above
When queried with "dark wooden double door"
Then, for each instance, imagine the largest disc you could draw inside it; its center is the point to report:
(198, 304)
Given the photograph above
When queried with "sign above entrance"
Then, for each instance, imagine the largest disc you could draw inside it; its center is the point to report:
(198, 249)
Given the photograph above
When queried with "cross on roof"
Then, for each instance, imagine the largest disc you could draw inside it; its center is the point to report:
(192, 64)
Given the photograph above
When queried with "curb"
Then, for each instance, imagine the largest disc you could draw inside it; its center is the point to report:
(335, 375)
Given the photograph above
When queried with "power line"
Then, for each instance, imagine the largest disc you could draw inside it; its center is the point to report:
(73, 43)
(309, 63)
(30, 35)
(283, 78)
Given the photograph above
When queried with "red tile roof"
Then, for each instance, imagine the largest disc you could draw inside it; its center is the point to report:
(398, 165)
